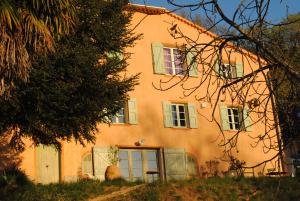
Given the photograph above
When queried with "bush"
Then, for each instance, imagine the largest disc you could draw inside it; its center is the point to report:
(13, 177)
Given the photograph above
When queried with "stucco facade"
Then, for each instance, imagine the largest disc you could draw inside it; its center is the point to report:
(148, 131)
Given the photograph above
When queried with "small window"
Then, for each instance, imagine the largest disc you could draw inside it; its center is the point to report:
(120, 117)
(229, 71)
(173, 61)
(235, 118)
(179, 115)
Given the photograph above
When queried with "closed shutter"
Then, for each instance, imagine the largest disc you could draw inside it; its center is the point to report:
(175, 164)
(158, 58)
(87, 165)
(168, 121)
(247, 120)
(192, 62)
(239, 69)
(101, 161)
(192, 115)
(224, 117)
(132, 111)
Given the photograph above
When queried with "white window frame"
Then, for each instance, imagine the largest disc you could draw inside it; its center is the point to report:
(173, 61)
(178, 115)
(233, 123)
(118, 116)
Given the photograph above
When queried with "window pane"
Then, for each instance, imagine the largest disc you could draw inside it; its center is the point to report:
(152, 165)
(123, 154)
(182, 123)
(168, 60)
(151, 155)
(137, 172)
(182, 115)
(181, 108)
(136, 155)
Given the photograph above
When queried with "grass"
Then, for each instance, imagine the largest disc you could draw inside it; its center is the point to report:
(228, 189)
(219, 189)
(80, 190)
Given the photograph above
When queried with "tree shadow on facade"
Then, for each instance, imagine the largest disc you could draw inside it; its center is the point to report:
(9, 157)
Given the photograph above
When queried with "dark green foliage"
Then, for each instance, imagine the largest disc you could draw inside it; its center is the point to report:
(12, 178)
(81, 84)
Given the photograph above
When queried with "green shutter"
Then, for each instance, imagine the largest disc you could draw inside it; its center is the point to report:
(87, 165)
(132, 111)
(158, 58)
(239, 69)
(192, 115)
(247, 120)
(192, 62)
(168, 121)
(224, 117)
(100, 161)
(175, 164)
(217, 68)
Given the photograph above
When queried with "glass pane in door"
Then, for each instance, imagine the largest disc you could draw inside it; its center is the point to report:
(152, 165)
(137, 165)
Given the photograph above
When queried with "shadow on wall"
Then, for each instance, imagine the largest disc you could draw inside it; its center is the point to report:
(8, 156)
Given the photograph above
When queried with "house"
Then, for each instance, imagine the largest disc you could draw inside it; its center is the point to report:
(159, 134)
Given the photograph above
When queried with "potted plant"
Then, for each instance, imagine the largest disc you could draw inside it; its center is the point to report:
(112, 171)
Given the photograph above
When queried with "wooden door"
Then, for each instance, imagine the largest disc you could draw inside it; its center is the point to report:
(47, 164)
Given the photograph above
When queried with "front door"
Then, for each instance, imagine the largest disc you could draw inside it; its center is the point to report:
(47, 164)
(139, 164)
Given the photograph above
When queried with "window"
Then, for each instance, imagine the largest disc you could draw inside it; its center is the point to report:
(119, 118)
(229, 71)
(173, 61)
(139, 164)
(127, 114)
(234, 118)
(178, 115)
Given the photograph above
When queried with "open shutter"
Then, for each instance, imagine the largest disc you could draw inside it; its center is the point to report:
(224, 117)
(175, 164)
(192, 62)
(192, 115)
(158, 58)
(168, 121)
(101, 161)
(239, 69)
(247, 120)
(132, 111)
(218, 68)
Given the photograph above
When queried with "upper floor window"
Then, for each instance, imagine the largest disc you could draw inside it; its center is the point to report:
(229, 70)
(180, 115)
(120, 117)
(127, 114)
(235, 118)
(174, 61)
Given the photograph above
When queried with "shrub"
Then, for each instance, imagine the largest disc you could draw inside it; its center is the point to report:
(13, 177)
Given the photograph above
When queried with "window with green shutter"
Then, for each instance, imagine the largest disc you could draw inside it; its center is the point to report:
(128, 114)
(230, 70)
(172, 60)
(180, 115)
(235, 118)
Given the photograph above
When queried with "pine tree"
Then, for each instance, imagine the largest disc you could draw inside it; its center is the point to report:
(80, 85)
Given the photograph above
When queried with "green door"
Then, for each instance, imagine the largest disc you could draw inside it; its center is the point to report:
(47, 164)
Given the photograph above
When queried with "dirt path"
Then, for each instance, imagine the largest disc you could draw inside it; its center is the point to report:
(121, 192)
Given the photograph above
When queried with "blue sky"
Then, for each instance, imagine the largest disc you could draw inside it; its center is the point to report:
(278, 9)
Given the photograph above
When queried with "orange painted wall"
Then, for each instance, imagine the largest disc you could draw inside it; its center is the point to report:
(150, 125)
